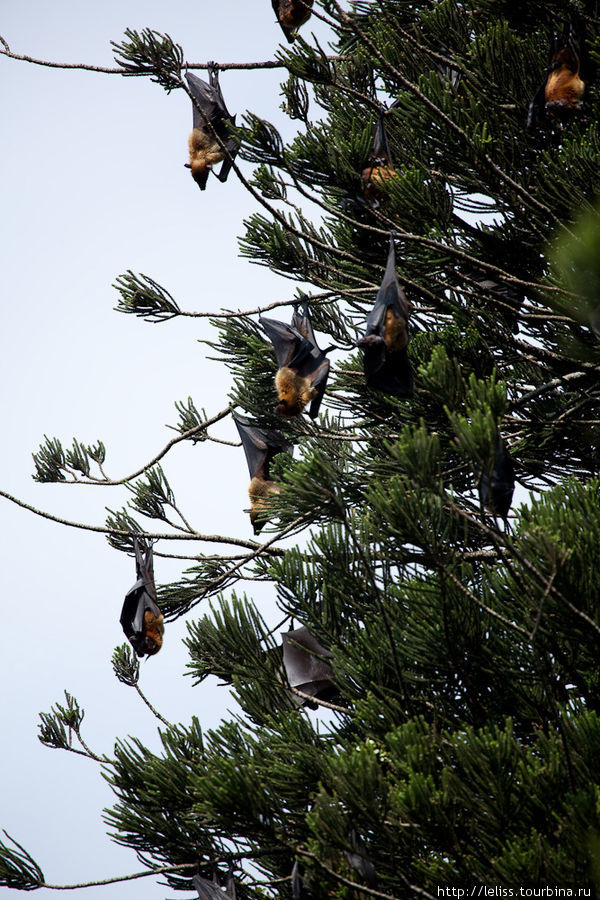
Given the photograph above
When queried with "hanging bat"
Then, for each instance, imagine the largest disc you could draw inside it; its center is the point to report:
(212, 117)
(211, 890)
(141, 618)
(299, 891)
(359, 860)
(379, 168)
(304, 662)
(260, 446)
(386, 364)
(560, 94)
(496, 490)
(303, 368)
(291, 14)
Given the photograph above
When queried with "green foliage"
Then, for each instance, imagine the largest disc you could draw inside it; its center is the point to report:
(150, 53)
(141, 296)
(18, 870)
(464, 745)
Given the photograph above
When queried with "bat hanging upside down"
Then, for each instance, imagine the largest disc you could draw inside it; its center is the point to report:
(496, 489)
(379, 168)
(210, 117)
(260, 446)
(386, 364)
(291, 14)
(303, 368)
(560, 94)
(141, 618)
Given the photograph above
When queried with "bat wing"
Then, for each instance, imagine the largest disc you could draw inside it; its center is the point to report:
(140, 598)
(390, 373)
(207, 890)
(537, 106)
(260, 446)
(208, 99)
(304, 661)
(301, 320)
(319, 382)
(287, 342)
(381, 148)
(496, 491)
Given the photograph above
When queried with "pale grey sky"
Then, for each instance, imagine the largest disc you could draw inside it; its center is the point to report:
(92, 184)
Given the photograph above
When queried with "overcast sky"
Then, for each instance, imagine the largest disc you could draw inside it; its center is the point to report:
(92, 183)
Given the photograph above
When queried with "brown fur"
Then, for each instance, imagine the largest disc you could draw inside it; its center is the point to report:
(153, 632)
(204, 152)
(292, 14)
(258, 492)
(294, 392)
(564, 88)
(373, 178)
(396, 337)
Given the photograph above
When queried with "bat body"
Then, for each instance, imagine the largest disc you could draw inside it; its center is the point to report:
(496, 490)
(209, 120)
(260, 446)
(560, 94)
(291, 14)
(210, 890)
(305, 664)
(379, 168)
(141, 618)
(386, 364)
(303, 367)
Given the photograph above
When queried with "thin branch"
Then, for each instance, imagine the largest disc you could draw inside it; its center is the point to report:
(151, 708)
(102, 529)
(311, 699)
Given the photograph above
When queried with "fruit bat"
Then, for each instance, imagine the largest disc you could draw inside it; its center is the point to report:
(211, 890)
(303, 368)
(561, 91)
(380, 167)
(205, 151)
(359, 860)
(141, 618)
(299, 892)
(291, 14)
(305, 665)
(386, 364)
(496, 490)
(260, 446)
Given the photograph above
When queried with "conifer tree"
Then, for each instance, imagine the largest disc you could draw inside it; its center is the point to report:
(462, 746)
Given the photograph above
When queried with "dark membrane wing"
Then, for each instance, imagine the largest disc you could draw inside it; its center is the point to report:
(305, 663)
(286, 340)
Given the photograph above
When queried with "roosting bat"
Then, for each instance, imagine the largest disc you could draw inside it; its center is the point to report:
(359, 860)
(260, 446)
(291, 14)
(205, 151)
(496, 490)
(386, 364)
(303, 368)
(210, 890)
(141, 618)
(306, 668)
(380, 167)
(560, 93)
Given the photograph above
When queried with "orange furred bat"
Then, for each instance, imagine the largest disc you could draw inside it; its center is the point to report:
(386, 364)
(379, 168)
(141, 618)
(291, 14)
(260, 446)
(560, 94)
(303, 368)
(211, 119)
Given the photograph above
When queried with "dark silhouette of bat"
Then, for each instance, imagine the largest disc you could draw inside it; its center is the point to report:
(141, 618)
(379, 168)
(291, 14)
(305, 664)
(560, 94)
(211, 118)
(496, 488)
(260, 446)
(211, 890)
(303, 367)
(359, 860)
(299, 892)
(386, 364)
